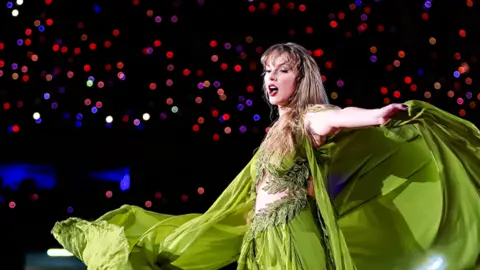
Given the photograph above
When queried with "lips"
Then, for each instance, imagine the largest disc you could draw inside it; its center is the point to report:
(272, 90)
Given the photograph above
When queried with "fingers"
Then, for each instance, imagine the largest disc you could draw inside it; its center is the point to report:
(399, 106)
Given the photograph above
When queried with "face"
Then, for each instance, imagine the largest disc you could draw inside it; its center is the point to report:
(279, 81)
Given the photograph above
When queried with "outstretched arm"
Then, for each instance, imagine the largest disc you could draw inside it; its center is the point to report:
(326, 122)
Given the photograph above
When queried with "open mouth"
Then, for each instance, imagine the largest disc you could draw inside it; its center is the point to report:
(272, 90)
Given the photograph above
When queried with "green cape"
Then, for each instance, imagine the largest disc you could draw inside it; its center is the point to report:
(398, 196)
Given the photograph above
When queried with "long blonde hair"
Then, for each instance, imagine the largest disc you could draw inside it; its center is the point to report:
(283, 136)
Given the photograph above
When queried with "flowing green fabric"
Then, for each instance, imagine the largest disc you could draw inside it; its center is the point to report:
(295, 245)
(400, 196)
(407, 194)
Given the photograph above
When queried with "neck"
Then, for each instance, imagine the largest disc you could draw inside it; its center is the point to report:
(282, 110)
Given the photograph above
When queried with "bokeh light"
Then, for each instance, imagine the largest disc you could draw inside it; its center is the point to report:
(143, 69)
(232, 65)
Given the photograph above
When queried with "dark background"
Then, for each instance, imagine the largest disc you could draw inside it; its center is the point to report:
(166, 156)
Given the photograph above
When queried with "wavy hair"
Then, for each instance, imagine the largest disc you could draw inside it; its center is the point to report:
(284, 134)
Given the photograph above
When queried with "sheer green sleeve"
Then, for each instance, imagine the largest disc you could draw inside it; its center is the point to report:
(402, 195)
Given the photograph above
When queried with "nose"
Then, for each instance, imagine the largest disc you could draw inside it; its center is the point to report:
(273, 76)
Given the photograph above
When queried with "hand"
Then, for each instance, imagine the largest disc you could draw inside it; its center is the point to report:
(389, 111)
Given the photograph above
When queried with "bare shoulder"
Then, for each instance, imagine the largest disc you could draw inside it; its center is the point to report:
(321, 107)
(317, 120)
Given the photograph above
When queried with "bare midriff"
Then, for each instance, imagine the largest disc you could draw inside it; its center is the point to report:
(264, 198)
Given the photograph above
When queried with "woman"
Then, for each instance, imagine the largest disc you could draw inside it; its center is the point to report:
(401, 195)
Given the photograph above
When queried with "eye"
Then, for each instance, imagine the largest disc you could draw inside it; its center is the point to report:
(284, 70)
